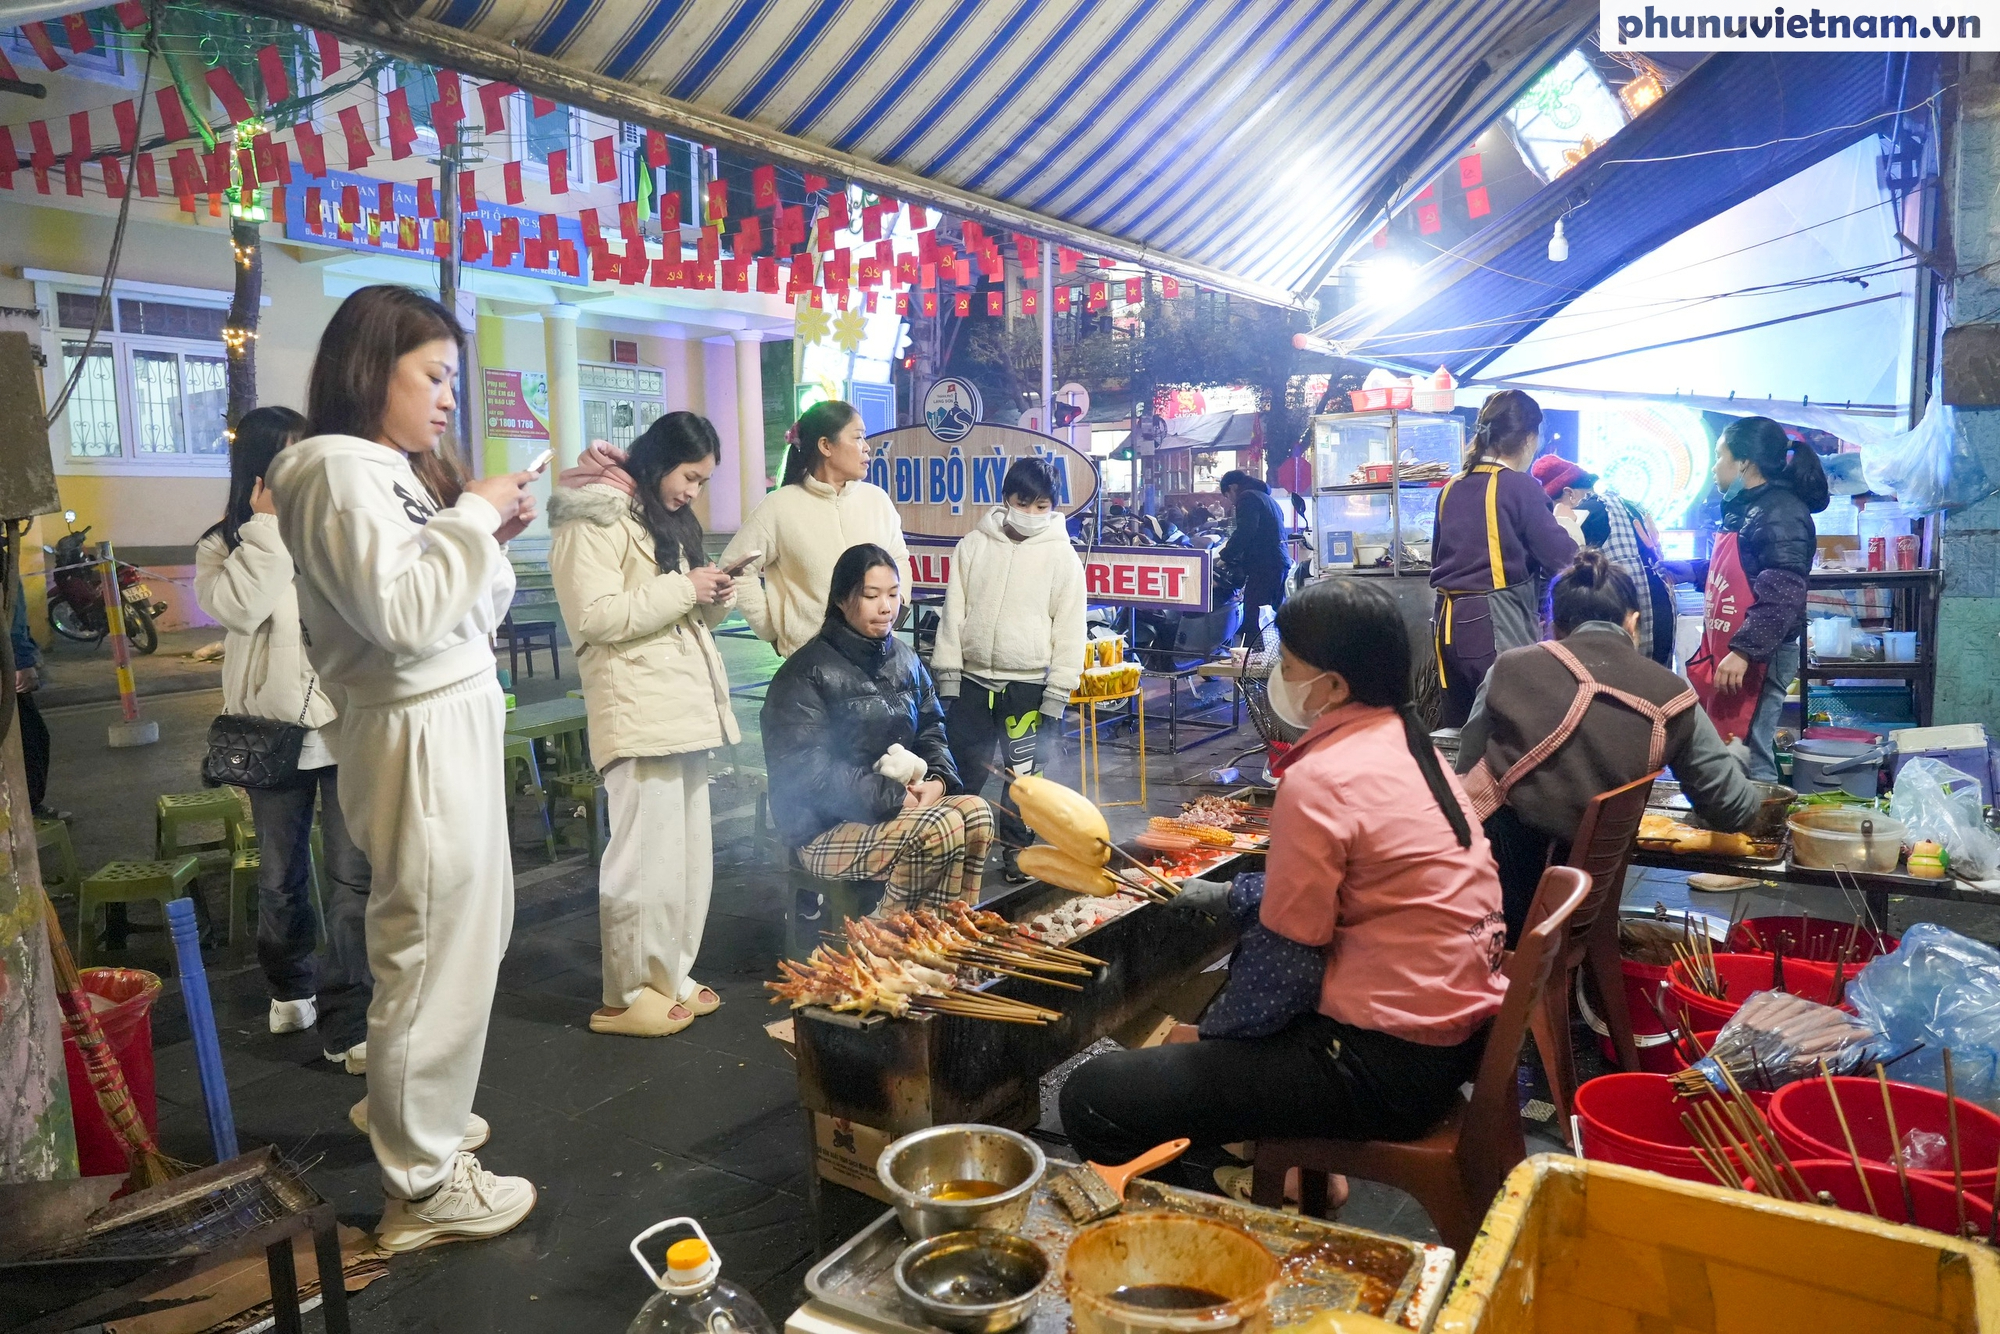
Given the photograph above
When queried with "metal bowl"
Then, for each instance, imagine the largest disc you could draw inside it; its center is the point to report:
(978, 1281)
(919, 1163)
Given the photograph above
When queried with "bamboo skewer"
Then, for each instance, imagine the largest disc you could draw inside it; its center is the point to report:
(1896, 1148)
(1172, 889)
(1756, 1118)
(1709, 1153)
(1951, 1132)
(1853, 1154)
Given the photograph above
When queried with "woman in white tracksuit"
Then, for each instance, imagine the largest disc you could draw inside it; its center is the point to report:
(401, 581)
(243, 579)
(640, 596)
(1010, 644)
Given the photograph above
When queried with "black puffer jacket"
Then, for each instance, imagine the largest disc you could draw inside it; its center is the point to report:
(1775, 541)
(832, 710)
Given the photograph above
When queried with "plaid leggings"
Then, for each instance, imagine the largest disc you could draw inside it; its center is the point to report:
(928, 855)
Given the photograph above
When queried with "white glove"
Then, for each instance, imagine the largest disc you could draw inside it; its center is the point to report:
(902, 766)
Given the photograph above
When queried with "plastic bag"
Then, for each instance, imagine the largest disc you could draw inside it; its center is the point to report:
(1941, 804)
(1942, 990)
(1931, 466)
(1778, 1038)
(1926, 1151)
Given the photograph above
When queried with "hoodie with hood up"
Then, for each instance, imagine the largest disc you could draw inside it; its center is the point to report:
(1013, 611)
(398, 597)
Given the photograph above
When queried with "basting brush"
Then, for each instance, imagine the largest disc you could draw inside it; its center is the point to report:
(1093, 1191)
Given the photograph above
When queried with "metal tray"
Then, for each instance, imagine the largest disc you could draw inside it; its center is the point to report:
(1336, 1267)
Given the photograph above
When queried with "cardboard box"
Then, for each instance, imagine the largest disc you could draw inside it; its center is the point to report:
(845, 1153)
(1833, 550)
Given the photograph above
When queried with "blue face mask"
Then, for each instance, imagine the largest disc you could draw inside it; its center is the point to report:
(1734, 489)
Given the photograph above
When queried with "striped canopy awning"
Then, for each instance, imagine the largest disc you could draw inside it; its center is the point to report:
(1242, 144)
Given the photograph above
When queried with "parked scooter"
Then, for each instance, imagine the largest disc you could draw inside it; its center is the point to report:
(76, 595)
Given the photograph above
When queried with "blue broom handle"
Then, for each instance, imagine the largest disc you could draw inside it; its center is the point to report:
(201, 1018)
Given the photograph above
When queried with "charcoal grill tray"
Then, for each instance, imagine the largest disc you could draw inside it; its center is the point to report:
(859, 1278)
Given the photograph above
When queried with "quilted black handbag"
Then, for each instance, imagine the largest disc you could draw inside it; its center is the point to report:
(252, 752)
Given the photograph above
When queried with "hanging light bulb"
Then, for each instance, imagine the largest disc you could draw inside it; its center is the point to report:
(1558, 245)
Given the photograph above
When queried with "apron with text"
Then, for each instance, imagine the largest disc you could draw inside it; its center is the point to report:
(1726, 604)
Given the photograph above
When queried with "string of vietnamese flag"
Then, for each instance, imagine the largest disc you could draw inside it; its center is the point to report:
(773, 248)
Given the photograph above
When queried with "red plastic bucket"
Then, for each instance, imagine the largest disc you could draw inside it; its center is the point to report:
(1931, 1196)
(1635, 1119)
(1742, 975)
(1802, 1114)
(124, 1003)
(1815, 939)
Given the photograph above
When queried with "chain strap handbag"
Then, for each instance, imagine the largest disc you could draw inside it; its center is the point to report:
(252, 752)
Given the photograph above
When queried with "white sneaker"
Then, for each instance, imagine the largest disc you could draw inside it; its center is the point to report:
(473, 1202)
(477, 1132)
(354, 1060)
(293, 1015)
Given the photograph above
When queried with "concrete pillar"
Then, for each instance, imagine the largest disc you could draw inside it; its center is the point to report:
(1968, 688)
(565, 402)
(750, 417)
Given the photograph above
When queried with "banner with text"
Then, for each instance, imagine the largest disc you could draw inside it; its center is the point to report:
(517, 405)
(1126, 576)
(944, 489)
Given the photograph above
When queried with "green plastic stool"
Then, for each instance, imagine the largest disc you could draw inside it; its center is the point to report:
(179, 812)
(587, 786)
(519, 750)
(123, 882)
(53, 836)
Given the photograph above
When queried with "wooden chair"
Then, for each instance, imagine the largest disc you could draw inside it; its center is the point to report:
(1457, 1169)
(1601, 850)
(530, 623)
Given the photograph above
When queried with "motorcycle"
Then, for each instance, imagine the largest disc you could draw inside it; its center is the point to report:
(76, 595)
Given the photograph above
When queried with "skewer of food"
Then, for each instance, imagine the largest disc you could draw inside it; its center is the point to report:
(856, 981)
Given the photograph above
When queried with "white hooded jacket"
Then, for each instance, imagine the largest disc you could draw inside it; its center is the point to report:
(249, 593)
(1013, 611)
(398, 597)
(802, 531)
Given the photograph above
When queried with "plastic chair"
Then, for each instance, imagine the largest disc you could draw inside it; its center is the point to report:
(178, 813)
(1456, 1169)
(587, 786)
(534, 592)
(1601, 850)
(519, 750)
(123, 882)
(52, 836)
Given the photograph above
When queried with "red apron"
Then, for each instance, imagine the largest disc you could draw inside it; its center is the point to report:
(1726, 604)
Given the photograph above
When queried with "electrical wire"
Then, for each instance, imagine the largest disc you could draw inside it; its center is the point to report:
(1773, 143)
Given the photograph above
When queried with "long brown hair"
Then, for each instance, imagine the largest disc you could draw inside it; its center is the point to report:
(348, 393)
(1508, 419)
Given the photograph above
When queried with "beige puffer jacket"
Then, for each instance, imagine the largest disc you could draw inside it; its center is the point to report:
(652, 680)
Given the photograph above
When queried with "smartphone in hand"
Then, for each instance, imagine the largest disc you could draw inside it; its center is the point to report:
(742, 563)
(541, 462)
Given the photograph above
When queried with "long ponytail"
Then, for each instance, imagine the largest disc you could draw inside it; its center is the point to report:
(1794, 466)
(1508, 422)
(1353, 627)
(824, 420)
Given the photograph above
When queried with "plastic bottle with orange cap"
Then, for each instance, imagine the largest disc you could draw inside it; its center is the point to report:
(693, 1298)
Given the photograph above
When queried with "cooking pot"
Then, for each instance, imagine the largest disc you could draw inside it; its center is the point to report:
(1853, 767)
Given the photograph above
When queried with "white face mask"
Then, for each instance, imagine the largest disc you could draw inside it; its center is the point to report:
(1026, 522)
(1288, 698)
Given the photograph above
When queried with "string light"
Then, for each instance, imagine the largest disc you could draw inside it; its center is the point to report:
(235, 339)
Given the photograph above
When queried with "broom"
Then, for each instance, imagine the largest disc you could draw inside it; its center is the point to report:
(150, 1167)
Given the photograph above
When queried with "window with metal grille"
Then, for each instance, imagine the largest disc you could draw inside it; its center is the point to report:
(155, 383)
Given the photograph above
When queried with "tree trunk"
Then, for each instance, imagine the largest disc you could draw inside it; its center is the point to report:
(240, 335)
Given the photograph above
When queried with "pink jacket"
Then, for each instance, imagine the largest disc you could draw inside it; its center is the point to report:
(1364, 863)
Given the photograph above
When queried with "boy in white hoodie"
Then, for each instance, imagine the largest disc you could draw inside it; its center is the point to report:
(401, 580)
(1009, 650)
